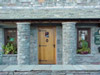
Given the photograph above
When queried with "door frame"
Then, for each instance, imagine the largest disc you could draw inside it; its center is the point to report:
(55, 52)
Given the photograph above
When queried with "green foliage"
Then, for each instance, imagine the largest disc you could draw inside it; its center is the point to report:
(84, 49)
(9, 49)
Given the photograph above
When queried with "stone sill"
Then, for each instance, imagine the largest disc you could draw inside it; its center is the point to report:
(84, 55)
(50, 67)
(9, 55)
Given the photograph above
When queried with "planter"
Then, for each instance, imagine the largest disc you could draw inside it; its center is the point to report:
(85, 52)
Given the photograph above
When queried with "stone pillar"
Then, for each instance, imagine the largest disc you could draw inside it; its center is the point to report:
(1, 38)
(23, 41)
(69, 42)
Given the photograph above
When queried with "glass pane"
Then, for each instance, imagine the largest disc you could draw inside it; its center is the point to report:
(11, 36)
(47, 34)
(83, 35)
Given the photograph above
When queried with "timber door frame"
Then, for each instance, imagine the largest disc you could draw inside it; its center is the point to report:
(55, 51)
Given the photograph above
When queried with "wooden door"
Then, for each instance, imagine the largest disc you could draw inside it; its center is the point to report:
(47, 45)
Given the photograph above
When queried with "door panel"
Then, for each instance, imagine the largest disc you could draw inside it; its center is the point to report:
(46, 42)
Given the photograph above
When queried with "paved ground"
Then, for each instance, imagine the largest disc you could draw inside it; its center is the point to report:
(49, 67)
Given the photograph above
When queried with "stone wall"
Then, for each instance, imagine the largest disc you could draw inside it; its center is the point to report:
(1, 38)
(59, 45)
(34, 45)
(10, 59)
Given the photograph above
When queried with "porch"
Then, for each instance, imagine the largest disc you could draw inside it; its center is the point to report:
(66, 43)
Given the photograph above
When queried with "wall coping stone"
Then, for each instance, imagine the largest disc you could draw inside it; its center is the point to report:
(50, 67)
(85, 55)
(9, 55)
(23, 23)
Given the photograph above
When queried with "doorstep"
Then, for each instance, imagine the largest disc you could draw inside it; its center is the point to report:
(5, 68)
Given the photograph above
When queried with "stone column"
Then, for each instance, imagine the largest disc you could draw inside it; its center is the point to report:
(1, 38)
(69, 42)
(23, 41)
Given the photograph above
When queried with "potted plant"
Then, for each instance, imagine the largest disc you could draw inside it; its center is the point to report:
(84, 48)
(9, 48)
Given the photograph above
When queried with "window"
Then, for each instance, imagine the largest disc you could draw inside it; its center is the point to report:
(83, 40)
(10, 46)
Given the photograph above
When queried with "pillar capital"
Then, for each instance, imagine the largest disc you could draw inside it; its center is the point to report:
(63, 23)
(23, 23)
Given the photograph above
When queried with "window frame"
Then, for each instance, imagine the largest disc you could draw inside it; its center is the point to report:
(5, 35)
(89, 35)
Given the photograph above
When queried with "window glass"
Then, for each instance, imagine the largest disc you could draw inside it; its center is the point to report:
(47, 34)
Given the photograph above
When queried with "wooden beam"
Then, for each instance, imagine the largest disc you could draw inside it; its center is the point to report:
(51, 20)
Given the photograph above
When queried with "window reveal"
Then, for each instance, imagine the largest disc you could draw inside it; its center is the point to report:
(83, 42)
(10, 36)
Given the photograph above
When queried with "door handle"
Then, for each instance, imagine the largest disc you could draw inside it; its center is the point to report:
(43, 60)
(54, 45)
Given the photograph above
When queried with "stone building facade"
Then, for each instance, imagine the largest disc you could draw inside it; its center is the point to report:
(63, 56)
(68, 25)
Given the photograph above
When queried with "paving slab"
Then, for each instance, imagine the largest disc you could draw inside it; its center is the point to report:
(50, 68)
